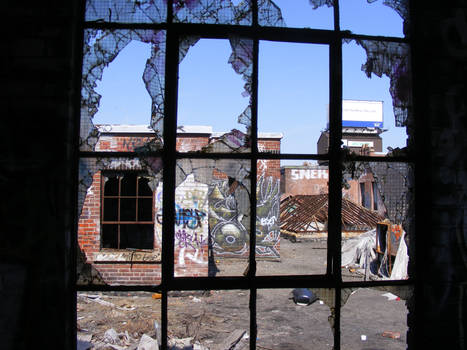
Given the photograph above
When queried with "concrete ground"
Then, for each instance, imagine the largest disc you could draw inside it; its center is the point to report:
(210, 317)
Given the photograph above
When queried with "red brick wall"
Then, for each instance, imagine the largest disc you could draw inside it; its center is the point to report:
(310, 182)
(89, 239)
(191, 143)
(270, 167)
(121, 143)
(130, 273)
(89, 220)
(112, 268)
(303, 180)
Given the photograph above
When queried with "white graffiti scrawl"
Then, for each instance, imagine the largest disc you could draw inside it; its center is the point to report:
(191, 224)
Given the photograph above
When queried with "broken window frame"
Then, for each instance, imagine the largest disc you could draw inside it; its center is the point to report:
(335, 158)
(119, 197)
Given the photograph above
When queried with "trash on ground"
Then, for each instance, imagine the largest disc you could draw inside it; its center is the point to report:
(390, 296)
(147, 343)
(392, 335)
(303, 296)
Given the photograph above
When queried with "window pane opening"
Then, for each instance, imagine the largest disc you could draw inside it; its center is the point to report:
(117, 319)
(212, 226)
(295, 318)
(293, 94)
(374, 17)
(376, 104)
(375, 318)
(220, 68)
(297, 204)
(208, 319)
(376, 215)
(122, 89)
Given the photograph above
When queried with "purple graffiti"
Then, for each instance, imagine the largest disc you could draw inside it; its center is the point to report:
(186, 239)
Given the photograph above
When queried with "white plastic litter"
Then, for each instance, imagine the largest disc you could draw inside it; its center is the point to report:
(147, 343)
(399, 269)
(390, 296)
(360, 250)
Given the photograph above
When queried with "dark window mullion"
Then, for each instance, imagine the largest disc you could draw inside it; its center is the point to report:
(102, 208)
(169, 162)
(136, 198)
(335, 178)
(337, 26)
(254, 150)
(254, 161)
(118, 209)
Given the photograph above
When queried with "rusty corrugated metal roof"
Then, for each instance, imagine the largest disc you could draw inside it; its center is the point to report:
(309, 213)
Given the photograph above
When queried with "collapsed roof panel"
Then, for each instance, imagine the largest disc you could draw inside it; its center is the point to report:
(309, 213)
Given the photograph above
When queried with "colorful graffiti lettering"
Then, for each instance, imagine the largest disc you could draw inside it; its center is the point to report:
(191, 218)
(188, 218)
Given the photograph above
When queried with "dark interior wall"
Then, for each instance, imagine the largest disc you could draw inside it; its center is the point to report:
(440, 74)
(36, 175)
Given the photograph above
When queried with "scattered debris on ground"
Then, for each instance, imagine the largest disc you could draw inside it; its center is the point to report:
(219, 320)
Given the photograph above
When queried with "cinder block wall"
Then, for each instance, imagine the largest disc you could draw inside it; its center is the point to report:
(37, 299)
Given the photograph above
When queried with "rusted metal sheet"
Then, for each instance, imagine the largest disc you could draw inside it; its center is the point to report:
(388, 237)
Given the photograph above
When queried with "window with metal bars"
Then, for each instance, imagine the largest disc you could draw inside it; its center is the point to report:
(171, 28)
(126, 211)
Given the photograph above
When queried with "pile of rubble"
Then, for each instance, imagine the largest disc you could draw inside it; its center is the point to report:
(124, 341)
(117, 321)
(112, 340)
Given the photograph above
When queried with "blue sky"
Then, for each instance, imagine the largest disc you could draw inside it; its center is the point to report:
(293, 92)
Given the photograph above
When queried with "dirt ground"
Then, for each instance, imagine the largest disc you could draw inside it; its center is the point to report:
(208, 318)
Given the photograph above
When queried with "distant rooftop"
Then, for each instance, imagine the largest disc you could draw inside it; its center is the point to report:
(184, 129)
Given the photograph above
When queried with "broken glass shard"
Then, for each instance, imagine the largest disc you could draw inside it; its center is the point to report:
(126, 11)
(101, 47)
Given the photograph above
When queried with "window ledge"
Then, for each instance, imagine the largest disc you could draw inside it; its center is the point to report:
(130, 256)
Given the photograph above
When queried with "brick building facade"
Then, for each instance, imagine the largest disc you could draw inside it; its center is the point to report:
(112, 215)
(309, 179)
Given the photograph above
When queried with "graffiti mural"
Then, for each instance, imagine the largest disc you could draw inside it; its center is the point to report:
(229, 228)
(267, 217)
